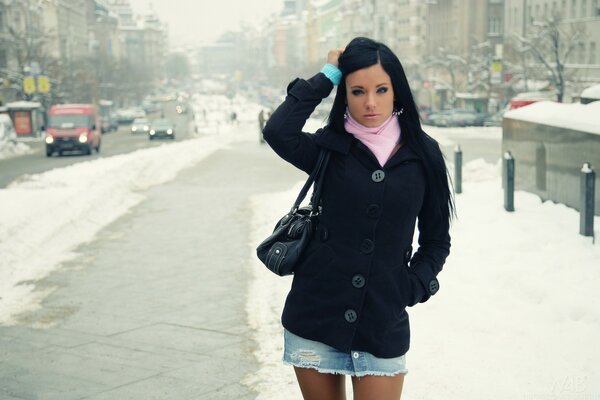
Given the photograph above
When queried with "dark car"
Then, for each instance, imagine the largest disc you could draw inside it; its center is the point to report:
(494, 119)
(161, 128)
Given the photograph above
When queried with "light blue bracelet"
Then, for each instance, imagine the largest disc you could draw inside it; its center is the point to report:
(333, 73)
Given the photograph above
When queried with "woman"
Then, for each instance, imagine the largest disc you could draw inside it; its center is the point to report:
(345, 313)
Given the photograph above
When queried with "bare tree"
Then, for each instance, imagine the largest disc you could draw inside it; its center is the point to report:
(550, 43)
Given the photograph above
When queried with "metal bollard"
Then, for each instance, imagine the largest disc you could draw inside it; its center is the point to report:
(586, 209)
(508, 181)
(457, 170)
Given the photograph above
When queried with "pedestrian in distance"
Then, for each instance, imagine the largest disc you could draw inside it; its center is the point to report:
(261, 124)
(346, 313)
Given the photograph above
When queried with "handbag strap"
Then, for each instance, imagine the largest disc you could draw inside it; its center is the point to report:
(319, 169)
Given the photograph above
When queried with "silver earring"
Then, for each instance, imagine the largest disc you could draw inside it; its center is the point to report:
(346, 113)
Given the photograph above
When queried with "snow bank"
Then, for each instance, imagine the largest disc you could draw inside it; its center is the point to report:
(516, 316)
(576, 116)
(10, 149)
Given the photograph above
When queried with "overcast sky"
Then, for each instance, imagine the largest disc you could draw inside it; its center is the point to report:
(196, 21)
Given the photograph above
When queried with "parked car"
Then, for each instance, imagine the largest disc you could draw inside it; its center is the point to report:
(456, 118)
(7, 130)
(494, 119)
(526, 98)
(73, 127)
(140, 125)
(162, 127)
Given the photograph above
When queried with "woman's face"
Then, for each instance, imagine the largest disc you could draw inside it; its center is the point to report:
(370, 96)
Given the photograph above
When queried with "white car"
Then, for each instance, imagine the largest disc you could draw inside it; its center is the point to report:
(140, 125)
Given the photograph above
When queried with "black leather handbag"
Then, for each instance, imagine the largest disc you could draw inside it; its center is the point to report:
(281, 251)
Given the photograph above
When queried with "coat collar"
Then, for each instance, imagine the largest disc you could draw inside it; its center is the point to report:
(343, 142)
(333, 140)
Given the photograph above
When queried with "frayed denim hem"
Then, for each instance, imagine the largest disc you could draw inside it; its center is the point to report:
(345, 372)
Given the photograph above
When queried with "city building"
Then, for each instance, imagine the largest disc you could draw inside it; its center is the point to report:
(579, 22)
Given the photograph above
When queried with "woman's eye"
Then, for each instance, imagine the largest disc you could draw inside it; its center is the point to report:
(357, 92)
(382, 90)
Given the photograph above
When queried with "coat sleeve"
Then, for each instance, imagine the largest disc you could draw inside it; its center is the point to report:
(434, 247)
(283, 131)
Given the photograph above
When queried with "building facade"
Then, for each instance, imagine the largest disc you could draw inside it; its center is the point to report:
(582, 16)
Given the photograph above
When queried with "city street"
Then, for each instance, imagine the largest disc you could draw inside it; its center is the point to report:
(113, 143)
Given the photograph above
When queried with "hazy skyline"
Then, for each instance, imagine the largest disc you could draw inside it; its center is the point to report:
(198, 21)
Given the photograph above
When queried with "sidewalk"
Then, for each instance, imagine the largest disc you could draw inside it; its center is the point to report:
(154, 308)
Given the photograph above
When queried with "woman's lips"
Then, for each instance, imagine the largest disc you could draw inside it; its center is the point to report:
(371, 116)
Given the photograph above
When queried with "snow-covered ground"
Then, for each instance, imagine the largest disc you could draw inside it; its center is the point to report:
(516, 316)
(10, 149)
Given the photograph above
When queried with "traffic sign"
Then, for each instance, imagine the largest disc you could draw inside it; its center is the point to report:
(28, 85)
(43, 84)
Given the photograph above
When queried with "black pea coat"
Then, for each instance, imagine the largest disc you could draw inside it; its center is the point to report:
(354, 282)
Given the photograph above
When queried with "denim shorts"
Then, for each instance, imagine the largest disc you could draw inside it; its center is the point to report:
(304, 353)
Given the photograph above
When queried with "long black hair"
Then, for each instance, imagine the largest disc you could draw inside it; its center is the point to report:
(363, 52)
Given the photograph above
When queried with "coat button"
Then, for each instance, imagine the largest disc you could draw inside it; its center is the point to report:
(434, 286)
(350, 315)
(367, 246)
(358, 281)
(378, 176)
(373, 210)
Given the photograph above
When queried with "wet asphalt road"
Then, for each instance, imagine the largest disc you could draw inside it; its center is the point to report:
(113, 143)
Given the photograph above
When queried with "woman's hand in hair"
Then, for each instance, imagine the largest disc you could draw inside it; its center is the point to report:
(334, 55)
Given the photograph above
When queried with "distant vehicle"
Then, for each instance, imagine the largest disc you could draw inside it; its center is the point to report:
(73, 127)
(125, 116)
(140, 125)
(494, 119)
(455, 118)
(150, 106)
(108, 124)
(108, 121)
(7, 130)
(590, 94)
(138, 112)
(527, 98)
(162, 127)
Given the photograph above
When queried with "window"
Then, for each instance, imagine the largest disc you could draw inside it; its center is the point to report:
(581, 53)
(2, 58)
(573, 8)
(1, 21)
(583, 8)
(592, 53)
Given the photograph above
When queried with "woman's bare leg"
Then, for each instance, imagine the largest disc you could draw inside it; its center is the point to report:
(378, 387)
(317, 386)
